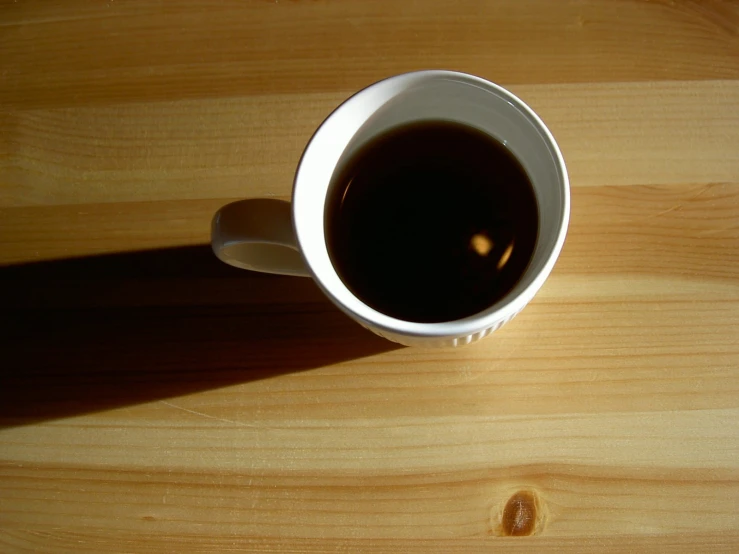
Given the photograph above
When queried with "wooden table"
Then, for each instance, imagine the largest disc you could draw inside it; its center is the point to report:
(153, 399)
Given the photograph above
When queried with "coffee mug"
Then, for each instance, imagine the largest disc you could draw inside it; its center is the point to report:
(284, 238)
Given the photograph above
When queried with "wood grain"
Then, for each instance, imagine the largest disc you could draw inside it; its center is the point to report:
(148, 50)
(153, 399)
(646, 134)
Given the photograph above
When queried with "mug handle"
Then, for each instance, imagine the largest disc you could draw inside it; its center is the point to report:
(258, 235)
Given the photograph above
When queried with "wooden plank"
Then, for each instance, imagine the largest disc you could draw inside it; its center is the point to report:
(138, 50)
(670, 231)
(615, 134)
(41, 539)
(338, 504)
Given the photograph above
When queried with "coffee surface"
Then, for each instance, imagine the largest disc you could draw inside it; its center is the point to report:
(431, 221)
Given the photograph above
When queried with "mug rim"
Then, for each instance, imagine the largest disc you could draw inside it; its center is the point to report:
(502, 310)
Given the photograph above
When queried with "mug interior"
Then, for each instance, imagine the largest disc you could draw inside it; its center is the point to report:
(426, 95)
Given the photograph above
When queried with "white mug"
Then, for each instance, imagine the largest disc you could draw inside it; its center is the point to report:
(289, 238)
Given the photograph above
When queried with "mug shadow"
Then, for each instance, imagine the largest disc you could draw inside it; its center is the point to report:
(90, 334)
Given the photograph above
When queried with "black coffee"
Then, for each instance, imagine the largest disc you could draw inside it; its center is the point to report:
(432, 221)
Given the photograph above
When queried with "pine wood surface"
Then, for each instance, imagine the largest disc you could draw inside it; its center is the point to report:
(153, 399)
